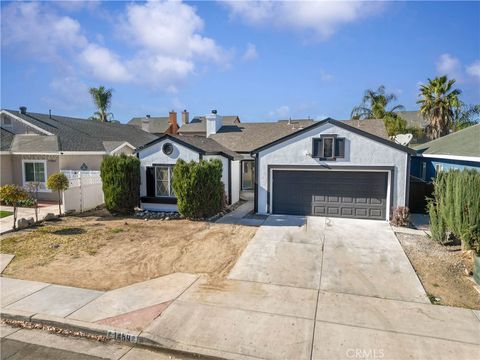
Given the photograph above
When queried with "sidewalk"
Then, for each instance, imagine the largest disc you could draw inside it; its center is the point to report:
(241, 216)
(6, 223)
(247, 320)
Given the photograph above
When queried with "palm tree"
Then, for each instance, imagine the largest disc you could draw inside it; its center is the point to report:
(438, 101)
(374, 105)
(102, 99)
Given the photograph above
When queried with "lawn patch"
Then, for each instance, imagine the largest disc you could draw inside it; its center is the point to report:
(4, 213)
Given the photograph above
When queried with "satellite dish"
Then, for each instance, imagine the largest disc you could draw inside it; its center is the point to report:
(403, 139)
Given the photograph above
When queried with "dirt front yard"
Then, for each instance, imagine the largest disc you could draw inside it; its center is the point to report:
(442, 272)
(103, 252)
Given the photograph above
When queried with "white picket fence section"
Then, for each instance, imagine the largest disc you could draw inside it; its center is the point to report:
(85, 191)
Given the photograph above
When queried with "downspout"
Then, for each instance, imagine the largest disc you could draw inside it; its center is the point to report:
(255, 187)
(230, 181)
(407, 185)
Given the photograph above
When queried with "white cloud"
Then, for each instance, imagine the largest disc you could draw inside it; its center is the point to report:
(448, 65)
(32, 29)
(250, 52)
(104, 64)
(322, 18)
(163, 42)
(474, 69)
(280, 112)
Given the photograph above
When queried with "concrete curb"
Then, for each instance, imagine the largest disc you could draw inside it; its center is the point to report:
(17, 315)
(112, 333)
(165, 344)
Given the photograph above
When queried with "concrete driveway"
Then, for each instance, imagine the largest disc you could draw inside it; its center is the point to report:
(317, 288)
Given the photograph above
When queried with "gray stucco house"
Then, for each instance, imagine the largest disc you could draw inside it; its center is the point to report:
(34, 145)
(302, 167)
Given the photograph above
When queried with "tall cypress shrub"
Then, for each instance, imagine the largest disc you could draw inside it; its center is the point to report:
(456, 207)
(198, 187)
(121, 183)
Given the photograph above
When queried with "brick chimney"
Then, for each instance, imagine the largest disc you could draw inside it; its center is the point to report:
(172, 120)
(185, 117)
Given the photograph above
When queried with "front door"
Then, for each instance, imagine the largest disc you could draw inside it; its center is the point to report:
(248, 174)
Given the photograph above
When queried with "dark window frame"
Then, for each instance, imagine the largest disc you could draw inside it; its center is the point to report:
(170, 172)
(321, 147)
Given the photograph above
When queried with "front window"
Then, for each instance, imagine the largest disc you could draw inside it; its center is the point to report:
(328, 147)
(34, 171)
(163, 181)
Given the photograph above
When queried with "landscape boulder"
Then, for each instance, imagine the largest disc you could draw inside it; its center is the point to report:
(49, 217)
(22, 223)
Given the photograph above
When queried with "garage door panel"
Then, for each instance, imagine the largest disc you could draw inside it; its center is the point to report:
(330, 193)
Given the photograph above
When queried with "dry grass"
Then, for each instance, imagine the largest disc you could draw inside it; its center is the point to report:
(442, 272)
(103, 252)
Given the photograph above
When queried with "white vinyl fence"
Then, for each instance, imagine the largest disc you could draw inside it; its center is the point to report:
(85, 190)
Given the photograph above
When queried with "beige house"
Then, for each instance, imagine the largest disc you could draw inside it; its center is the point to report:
(34, 146)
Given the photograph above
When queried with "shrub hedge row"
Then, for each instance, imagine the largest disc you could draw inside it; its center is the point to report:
(455, 207)
(198, 187)
(121, 183)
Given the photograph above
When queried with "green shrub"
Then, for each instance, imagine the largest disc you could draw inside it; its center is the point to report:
(12, 195)
(121, 183)
(198, 188)
(456, 207)
(58, 182)
(28, 203)
(437, 226)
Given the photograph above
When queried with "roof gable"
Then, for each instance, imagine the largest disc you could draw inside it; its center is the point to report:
(340, 124)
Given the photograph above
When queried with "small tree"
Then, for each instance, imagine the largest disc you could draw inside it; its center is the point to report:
(198, 187)
(32, 188)
(121, 183)
(58, 182)
(12, 195)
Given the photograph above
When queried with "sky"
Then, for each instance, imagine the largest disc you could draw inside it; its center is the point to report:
(262, 61)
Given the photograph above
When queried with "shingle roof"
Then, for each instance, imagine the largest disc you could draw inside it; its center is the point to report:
(414, 119)
(208, 145)
(75, 134)
(204, 145)
(372, 126)
(158, 124)
(246, 137)
(6, 139)
(35, 143)
(197, 125)
(465, 142)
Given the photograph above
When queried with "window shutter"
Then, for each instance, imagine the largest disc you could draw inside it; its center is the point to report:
(317, 148)
(150, 181)
(340, 147)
